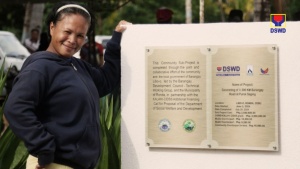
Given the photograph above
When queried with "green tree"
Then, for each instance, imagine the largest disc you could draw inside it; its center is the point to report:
(11, 18)
(144, 12)
(292, 8)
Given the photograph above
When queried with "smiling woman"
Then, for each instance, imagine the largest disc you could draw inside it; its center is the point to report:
(54, 103)
(68, 35)
(68, 28)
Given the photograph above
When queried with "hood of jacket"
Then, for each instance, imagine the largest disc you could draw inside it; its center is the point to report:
(46, 55)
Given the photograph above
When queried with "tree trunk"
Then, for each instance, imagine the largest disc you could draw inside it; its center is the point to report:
(27, 19)
(33, 18)
(201, 11)
(220, 3)
(262, 10)
(188, 11)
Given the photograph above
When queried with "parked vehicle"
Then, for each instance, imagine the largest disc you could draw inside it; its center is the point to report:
(102, 39)
(13, 51)
(13, 54)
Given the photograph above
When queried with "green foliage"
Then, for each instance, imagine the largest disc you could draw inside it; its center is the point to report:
(13, 153)
(138, 12)
(292, 8)
(143, 12)
(110, 119)
(3, 77)
(212, 12)
(11, 18)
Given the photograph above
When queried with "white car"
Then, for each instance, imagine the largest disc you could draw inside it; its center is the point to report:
(12, 50)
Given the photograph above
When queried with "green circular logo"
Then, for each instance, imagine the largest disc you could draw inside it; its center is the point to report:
(189, 125)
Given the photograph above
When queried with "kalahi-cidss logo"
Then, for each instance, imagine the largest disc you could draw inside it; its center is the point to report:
(277, 23)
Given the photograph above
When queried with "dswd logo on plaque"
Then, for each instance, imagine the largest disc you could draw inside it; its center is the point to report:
(277, 23)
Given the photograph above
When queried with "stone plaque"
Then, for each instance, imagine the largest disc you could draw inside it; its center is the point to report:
(215, 97)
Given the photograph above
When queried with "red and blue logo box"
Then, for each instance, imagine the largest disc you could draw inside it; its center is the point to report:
(278, 23)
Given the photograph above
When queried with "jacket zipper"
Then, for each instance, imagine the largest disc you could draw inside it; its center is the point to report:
(84, 84)
(92, 102)
(73, 67)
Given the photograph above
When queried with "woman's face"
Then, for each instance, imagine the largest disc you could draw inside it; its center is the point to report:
(68, 35)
